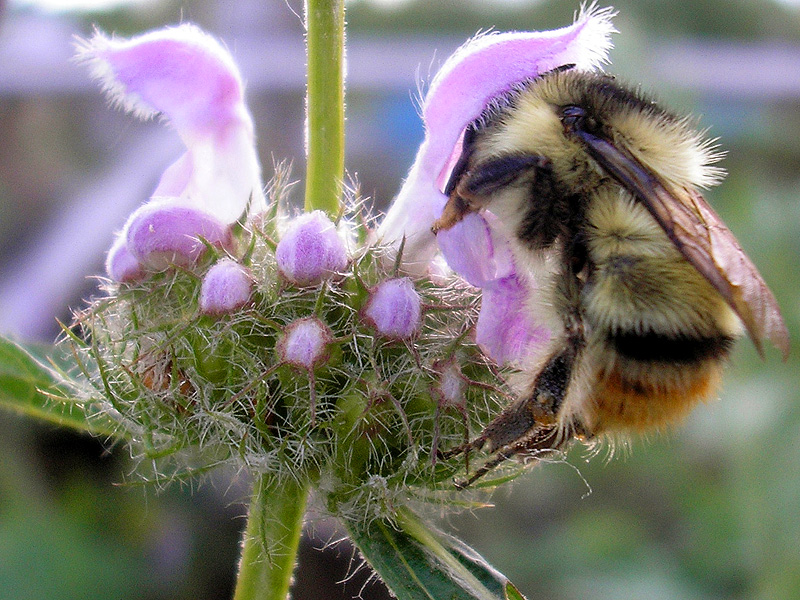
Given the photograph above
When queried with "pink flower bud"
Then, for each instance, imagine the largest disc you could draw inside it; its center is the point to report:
(163, 234)
(305, 343)
(225, 288)
(451, 387)
(394, 309)
(121, 265)
(311, 250)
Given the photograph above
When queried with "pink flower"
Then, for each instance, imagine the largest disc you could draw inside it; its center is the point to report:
(188, 78)
(483, 68)
(507, 330)
(477, 248)
(476, 251)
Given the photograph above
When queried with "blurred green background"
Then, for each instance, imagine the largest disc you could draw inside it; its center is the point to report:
(710, 511)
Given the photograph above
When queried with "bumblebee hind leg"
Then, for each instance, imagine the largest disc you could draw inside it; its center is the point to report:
(529, 427)
(532, 425)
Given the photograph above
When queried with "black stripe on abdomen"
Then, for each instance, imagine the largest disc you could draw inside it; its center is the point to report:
(657, 347)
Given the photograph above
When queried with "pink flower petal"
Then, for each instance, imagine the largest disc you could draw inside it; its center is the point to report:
(467, 247)
(176, 178)
(475, 251)
(121, 265)
(506, 330)
(189, 78)
(481, 69)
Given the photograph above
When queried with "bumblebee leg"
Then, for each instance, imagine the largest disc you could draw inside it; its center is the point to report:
(531, 424)
(486, 467)
(544, 442)
(536, 410)
(491, 176)
(466, 447)
(469, 189)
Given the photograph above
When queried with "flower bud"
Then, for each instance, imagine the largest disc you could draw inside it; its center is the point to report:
(305, 343)
(451, 387)
(121, 265)
(311, 250)
(225, 288)
(162, 234)
(394, 309)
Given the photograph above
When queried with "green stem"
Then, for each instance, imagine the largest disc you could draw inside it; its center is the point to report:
(271, 539)
(325, 105)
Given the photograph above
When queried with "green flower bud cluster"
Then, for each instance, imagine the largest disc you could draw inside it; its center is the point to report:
(350, 379)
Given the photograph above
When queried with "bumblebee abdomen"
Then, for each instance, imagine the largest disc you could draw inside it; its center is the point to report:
(659, 332)
(647, 398)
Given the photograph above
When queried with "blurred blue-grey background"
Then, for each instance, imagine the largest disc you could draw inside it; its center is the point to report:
(710, 511)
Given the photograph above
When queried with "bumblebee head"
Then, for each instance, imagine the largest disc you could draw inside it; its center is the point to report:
(543, 136)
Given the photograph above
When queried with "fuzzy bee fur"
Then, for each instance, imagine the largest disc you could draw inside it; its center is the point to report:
(644, 287)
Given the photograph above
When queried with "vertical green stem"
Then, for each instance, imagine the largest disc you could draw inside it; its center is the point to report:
(271, 539)
(325, 105)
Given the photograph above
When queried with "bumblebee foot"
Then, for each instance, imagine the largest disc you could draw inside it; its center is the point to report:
(486, 467)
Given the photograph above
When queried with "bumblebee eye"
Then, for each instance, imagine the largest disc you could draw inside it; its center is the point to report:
(573, 118)
(576, 118)
(571, 115)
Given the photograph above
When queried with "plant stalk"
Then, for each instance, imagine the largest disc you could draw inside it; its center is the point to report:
(325, 105)
(271, 539)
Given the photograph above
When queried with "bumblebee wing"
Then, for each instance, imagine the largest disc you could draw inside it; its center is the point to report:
(747, 294)
(703, 239)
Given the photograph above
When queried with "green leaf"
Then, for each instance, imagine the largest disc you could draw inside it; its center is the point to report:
(30, 385)
(512, 593)
(418, 562)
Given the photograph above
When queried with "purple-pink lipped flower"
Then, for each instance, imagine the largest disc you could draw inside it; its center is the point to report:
(305, 343)
(394, 309)
(190, 80)
(311, 250)
(507, 330)
(483, 68)
(225, 288)
(476, 251)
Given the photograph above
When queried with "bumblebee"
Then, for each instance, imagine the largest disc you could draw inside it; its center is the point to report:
(644, 287)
